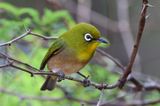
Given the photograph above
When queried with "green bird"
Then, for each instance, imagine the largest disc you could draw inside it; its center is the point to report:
(71, 52)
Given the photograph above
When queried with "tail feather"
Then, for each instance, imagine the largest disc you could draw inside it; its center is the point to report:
(49, 84)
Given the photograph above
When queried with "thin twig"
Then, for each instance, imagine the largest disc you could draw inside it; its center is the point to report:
(5, 65)
(138, 85)
(152, 87)
(98, 86)
(42, 36)
(15, 39)
(28, 32)
(100, 98)
(111, 58)
(136, 45)
(2, 55)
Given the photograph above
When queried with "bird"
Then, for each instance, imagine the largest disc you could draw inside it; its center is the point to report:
(70, 52)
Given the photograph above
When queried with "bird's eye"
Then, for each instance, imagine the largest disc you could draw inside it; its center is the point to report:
(88, 37)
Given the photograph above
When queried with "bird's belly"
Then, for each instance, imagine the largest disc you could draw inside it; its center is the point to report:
(65, 63)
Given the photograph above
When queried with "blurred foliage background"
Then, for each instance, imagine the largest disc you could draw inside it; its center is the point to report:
(117, 20)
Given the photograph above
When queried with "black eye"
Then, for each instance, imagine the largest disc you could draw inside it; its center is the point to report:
(88, 37)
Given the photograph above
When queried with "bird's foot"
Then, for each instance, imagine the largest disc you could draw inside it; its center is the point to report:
(86, 82)
(61, 76)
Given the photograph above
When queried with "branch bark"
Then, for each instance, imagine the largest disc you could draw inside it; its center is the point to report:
(28, 32)
(142, 22)
(34, 71)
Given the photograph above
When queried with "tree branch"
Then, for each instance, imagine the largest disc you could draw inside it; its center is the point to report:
(34, 71)
(15, 39)
(136, 45)
(43, 37)
(138, 85)
(111, 58)
(28, 32)
(5, 65)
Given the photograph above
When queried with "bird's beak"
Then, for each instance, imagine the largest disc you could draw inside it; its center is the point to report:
(103, 40)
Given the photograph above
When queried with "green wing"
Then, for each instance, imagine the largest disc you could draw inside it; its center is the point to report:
(55, 48)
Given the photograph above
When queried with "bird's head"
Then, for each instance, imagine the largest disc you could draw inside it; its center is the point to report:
(83, 37)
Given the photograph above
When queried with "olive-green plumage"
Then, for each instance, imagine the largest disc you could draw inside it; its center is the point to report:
(71, 52)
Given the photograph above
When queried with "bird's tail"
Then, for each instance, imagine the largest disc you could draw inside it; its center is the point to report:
(50, 83)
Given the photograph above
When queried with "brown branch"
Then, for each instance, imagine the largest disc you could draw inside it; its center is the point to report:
(111, 58)
(138, 85)
(98, 86)
(43, 37)
(11, 60)
(28, 32)
(152, 87)
(5, 65)
(34, 71)
(136, 45)
(15, 39)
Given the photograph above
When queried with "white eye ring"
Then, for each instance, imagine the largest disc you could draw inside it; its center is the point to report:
(88, 37)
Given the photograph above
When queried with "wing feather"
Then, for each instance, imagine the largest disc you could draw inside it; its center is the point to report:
(55, 48)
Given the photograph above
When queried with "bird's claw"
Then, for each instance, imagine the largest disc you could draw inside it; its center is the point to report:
(86, 82)
(61, 76)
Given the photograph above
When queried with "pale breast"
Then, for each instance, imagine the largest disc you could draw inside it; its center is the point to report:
(66, 62)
